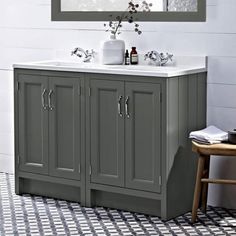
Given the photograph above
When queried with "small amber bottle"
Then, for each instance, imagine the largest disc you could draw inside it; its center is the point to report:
(133, 56)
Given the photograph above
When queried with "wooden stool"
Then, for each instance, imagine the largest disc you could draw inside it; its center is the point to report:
(202, 178)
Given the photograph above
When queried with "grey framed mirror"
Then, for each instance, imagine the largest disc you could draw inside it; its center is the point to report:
(101, 10)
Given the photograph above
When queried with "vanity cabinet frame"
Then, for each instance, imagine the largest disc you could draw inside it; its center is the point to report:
(60, 103)
(181, 109)
(125, 133)
(33, 124)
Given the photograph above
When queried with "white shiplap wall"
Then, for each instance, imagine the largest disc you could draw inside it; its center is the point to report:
(27, 33)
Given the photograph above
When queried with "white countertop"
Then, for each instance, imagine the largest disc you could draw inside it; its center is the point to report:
(182, 66)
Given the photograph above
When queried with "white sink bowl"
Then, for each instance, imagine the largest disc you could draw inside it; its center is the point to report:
(63, 64)
(111, 67)
(141, 67)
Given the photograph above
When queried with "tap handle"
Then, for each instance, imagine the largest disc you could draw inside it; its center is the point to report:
(92, 53)
(146, 56)
(170, 56)
(76, 52)
(73, 52)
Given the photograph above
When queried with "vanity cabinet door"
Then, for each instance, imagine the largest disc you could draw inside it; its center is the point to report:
(107, 132)
(143, 136)
(32, 123)
(64, 127)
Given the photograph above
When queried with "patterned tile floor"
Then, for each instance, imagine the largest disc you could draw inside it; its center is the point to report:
(34, 215)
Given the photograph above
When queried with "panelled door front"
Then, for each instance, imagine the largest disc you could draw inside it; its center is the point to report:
(143, 136)
(33, 123)
(107, 132)
(64, 127)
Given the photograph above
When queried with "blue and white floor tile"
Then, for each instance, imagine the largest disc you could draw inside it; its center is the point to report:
(38, 216)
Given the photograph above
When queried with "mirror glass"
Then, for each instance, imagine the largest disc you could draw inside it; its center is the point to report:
(121, 5)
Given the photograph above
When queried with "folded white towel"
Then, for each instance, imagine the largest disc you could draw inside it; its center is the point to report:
(211, 135)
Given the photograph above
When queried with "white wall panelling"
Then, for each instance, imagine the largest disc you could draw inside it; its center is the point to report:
(7, 163)
(27, 34)
(6, 120)
(222, 96)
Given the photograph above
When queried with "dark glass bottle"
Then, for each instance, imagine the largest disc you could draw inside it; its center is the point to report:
(127, 59)
(133, 56)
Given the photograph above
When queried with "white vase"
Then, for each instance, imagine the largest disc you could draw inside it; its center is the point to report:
(113, 51)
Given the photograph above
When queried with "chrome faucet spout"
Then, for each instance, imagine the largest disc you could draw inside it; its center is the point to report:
(80, 52)
(157, 58)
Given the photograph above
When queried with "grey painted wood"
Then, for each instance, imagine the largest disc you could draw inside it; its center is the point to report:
(115, 145)
(127, 203)
(65, 127)
(192, 86)
(190, 93)
(47, 178)
(183, 101)
(202, 98)
(172, 121)
(27, 171)
(58, 15)
(143, 136)
(16, 132)
(107, 132)
(126, 191)
(48, 189)
(179, 181)
(87, 93)
(33, 124)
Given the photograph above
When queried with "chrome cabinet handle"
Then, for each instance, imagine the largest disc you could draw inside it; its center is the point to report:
(119, 106)
(127, 107)
(50, 100)
(43, 99)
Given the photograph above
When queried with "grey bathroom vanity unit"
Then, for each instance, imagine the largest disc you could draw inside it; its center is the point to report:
(110, 136)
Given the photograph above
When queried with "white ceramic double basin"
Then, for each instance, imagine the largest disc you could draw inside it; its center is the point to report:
(93, 65)
(142, 70)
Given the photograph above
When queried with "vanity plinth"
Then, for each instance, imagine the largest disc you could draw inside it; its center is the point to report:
(108, 139)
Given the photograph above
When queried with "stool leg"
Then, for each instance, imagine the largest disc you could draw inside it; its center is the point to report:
(198, 186)
(205, 185)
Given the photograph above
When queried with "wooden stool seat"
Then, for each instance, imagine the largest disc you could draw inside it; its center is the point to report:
(223, 149)
(202, 178)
